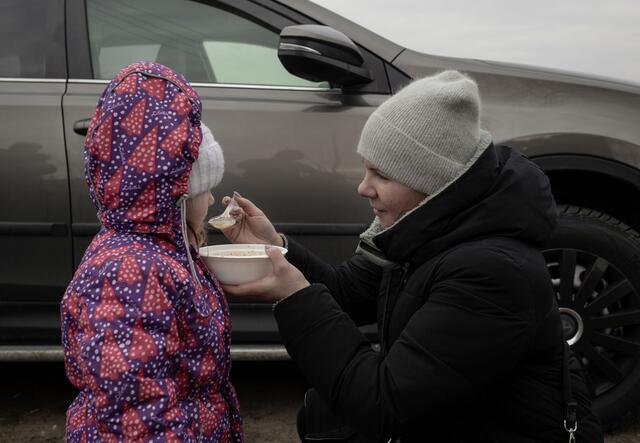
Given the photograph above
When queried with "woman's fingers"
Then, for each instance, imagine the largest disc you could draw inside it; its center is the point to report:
(247, 205)
(257, 288)
(266, 287)
(283, 281)
(277, 258)
(237, 214)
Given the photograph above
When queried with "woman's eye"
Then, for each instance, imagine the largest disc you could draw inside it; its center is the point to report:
(377, 174)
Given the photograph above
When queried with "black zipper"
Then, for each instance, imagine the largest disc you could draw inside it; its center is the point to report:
(383, 328)
(388, 302)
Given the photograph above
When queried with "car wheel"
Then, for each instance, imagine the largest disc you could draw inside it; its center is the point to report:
(594, 262)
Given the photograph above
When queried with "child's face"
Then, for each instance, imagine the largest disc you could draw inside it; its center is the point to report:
(197, 208)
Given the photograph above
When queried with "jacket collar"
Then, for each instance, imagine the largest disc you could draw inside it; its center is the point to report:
(485, 201)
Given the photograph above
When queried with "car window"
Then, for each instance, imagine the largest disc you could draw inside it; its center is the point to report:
(32, 39)
(208, 43)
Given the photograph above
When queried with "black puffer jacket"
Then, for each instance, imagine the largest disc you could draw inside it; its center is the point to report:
(470, 332)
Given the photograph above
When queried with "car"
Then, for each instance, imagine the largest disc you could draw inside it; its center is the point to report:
(286, 87)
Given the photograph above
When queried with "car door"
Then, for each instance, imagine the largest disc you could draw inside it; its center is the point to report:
(35, 242)
(289, 144)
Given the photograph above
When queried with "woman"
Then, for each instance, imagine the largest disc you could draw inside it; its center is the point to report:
(145, 326)
(471, 341)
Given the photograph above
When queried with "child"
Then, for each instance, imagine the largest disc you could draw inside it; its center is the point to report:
(145, 326)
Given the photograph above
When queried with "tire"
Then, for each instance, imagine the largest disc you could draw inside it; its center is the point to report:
(594, 262)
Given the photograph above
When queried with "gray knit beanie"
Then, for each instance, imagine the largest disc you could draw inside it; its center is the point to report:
(208, 169)
(428, 134)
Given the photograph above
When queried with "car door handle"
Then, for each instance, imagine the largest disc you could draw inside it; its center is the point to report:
(14, 229)
(81, 126)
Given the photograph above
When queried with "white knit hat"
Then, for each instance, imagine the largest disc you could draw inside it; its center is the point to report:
(208, 169)
(428, 134)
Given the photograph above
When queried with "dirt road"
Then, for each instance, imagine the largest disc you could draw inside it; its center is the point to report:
(34, 397)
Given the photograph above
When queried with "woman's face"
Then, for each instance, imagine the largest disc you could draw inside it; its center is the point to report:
(197, 208)
(389, 199)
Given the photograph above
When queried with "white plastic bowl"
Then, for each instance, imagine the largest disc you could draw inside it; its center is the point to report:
(237, 264)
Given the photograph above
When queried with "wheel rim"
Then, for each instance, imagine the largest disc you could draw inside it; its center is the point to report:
(572, 325)
(600, 312)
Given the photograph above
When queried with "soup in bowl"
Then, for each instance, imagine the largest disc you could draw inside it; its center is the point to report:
(237, 264)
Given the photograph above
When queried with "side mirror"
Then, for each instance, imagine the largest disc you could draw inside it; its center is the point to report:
(320, 53)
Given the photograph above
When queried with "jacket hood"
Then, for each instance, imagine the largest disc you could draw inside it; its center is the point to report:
(503, 194)
(141, 143)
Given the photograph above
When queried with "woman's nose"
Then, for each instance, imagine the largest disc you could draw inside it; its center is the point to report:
(365, 189)
(212, 199)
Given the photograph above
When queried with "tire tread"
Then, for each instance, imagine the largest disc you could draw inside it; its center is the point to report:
(596, 216)
(582, 214)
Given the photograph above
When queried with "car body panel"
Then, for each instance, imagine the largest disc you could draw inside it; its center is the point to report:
(383, 48)
(35, 243)
(291, 150)
(543, 111)
(271, 138)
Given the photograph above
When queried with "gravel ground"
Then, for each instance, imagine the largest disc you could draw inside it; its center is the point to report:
(34, 397)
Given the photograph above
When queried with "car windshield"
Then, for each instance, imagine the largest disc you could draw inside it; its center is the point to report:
(588, 36)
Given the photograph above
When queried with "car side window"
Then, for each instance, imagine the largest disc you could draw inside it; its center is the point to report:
(32, 39)
(207, 43)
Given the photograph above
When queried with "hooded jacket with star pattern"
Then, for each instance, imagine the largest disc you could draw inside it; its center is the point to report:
(146, 341)
(470, 334)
